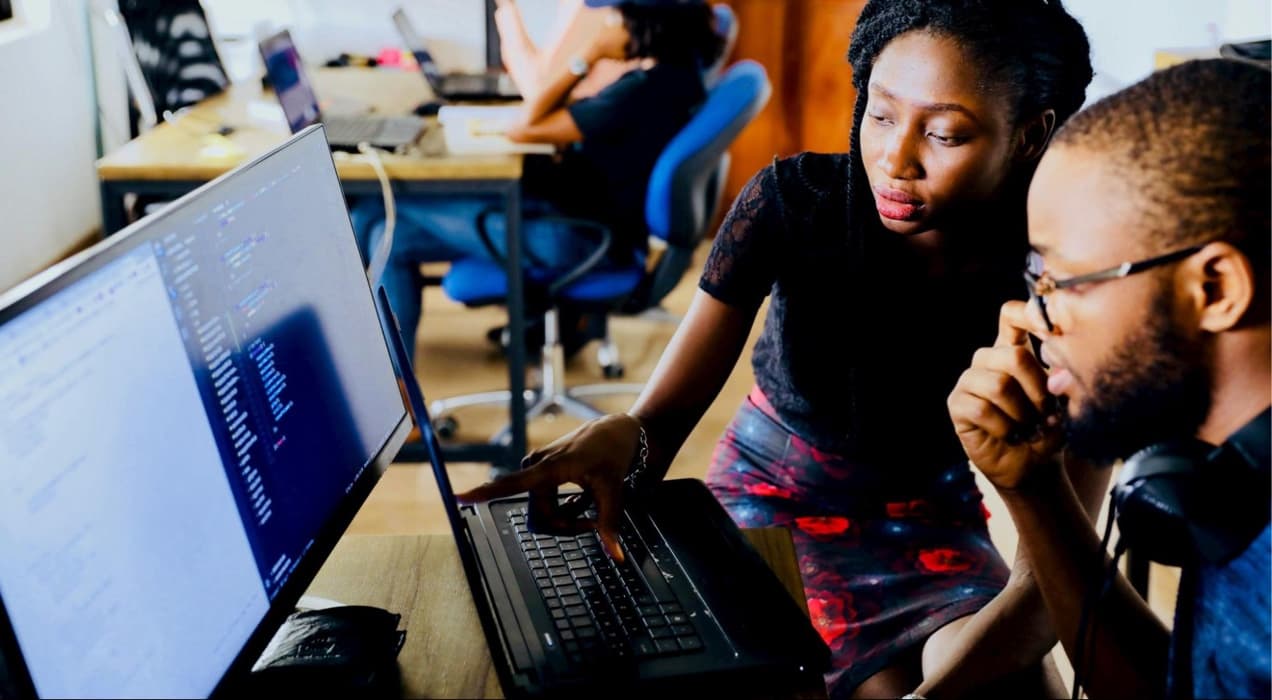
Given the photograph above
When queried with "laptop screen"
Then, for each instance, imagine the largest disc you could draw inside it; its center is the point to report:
(192, 412)
(415, 44)
(291, 85)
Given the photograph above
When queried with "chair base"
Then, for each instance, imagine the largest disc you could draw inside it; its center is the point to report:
(552, 397)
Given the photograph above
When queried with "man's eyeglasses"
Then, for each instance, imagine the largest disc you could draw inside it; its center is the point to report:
(1041, 284)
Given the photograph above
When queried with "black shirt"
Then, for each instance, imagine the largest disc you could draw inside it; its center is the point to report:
(625, 128)
(858, 356)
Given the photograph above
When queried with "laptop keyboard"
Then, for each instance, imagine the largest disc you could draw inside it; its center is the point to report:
(604, 610)
(372, 130)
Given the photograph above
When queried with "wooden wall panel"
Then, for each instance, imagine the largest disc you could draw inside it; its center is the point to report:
(803, 44)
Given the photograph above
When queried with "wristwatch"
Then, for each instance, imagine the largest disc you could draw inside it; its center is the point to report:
(578, 66)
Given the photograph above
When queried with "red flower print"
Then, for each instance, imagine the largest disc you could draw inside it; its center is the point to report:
(827, 614)
(763, 489)
(909, 509)
(944, 560)
(823, 526)
(985, 511)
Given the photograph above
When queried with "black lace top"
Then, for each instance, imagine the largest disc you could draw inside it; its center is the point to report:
(859, 349)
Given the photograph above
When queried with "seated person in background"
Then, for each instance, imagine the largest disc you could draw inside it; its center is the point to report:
(907, 246)
(610, 143)
(1174, 172)
(531, 67)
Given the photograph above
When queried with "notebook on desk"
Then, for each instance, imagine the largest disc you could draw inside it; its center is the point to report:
(692, 609)
(483, 129)
(300, 104)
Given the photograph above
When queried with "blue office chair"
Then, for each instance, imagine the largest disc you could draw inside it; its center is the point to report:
(726, 25)
(685, 189)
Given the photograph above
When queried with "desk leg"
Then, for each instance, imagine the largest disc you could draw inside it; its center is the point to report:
(114, 217)
(516, 328)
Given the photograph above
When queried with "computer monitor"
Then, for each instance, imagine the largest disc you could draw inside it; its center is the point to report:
(191, 412)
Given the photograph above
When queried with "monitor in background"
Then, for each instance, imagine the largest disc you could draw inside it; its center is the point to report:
(193, 411)
(296, 95)
(497, 86)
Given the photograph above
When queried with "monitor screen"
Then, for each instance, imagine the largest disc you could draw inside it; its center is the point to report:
(192, 411)
(291, 85)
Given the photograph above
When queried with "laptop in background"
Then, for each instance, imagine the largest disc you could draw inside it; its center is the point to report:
(453, 86)
(300, 105)
(693, 609)
(194, 409)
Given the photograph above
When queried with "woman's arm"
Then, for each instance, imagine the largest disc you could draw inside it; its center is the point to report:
(520, 56)
(544, 118)
(1013, 633)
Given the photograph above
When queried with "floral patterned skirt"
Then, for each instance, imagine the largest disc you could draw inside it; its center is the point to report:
(883, 566)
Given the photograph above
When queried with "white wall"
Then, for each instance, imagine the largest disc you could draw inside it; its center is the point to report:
(323, 29)
(48, 188)
(1125, 34)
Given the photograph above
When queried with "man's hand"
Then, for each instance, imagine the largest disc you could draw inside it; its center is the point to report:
(1001, 408)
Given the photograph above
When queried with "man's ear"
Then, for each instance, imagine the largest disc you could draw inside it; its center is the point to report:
(1222, 285)
(1034, 134)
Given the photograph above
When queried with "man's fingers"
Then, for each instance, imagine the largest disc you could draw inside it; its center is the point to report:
(1019, 362)
(1013, 325)
(974, 413)
(1003, 391)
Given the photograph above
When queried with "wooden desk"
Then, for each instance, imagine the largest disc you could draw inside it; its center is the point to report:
(421, 578)
(176, 157)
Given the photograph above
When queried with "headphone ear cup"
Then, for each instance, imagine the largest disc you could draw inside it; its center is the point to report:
(1153, 496)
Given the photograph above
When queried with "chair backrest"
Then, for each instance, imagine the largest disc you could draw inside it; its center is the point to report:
(175, 51)
(685, 185)
(726, 25)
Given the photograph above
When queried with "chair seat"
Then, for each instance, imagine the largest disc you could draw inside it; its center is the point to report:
(475, 281)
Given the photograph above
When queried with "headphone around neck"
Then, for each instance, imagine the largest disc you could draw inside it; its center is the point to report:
(1183, 502)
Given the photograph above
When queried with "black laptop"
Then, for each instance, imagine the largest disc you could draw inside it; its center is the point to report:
(473, 87)
(692, 609)
(300, 105)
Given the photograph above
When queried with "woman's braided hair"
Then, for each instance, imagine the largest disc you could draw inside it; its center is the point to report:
(1034, 50)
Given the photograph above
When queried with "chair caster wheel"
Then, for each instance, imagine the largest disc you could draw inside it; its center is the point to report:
(447, 427)
(614, 371)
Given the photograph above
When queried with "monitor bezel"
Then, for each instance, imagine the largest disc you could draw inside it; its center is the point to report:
(44, 285)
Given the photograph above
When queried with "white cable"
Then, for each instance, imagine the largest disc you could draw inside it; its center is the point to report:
(380, 256)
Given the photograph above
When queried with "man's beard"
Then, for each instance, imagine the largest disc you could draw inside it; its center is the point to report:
(1153, 389)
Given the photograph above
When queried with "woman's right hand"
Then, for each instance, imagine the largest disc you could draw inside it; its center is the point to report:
(596, 456)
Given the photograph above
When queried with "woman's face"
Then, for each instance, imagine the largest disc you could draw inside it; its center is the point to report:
(936, 139)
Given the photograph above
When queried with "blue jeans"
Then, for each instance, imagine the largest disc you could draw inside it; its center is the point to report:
(443, 228)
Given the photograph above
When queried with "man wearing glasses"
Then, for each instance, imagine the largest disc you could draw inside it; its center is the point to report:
(1149, 285)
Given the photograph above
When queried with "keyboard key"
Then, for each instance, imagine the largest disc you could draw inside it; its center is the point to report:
(573, 555)
(648, 610)
(572, 600)
(568, 588)
(661, 632)
(586, 632)
(672, 608)
(566, 635)
(689, 643)
(553, 561)
(577, 565)
(554, 603)
(557, 613)
(677, 619)
(644, 647)
(562, 624)
(574, 610)
(665, 646)
(563, 581)
(681, 630)
(558, 571)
